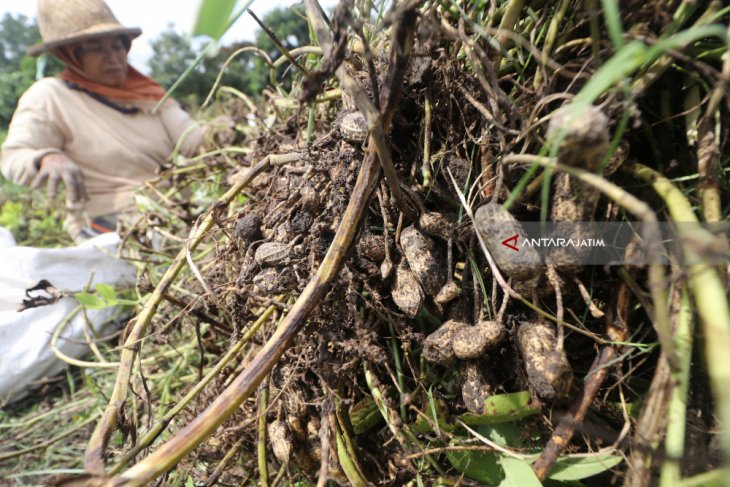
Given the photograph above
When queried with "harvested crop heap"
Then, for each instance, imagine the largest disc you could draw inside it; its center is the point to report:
(359, 330)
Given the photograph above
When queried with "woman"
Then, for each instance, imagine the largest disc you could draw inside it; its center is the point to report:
(92, 126)
(92, 129)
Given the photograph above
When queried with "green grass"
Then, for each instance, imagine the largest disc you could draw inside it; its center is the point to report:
(30, 217)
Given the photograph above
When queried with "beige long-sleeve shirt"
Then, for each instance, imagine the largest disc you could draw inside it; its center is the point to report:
(116, 152)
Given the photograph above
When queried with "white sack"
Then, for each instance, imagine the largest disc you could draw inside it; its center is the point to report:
(25, 337)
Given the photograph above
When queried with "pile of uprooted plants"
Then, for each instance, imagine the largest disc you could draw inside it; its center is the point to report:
(319, 301)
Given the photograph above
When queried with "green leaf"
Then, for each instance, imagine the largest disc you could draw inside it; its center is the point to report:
(636, 54)
(633, 409)
(107, 292)
(518, 473)
(476, 465)
(439, 414)
(189, 482)
(349, 466)
(576, 468)
(509, 435)
(432, 407)
(364, 416)
(213, 18)
(627, 60)
(713, 478)
(613, 22)
(421, 425)
(502, 408)
(506, 404)
(11, 215)
(90, 301)
(686, 37)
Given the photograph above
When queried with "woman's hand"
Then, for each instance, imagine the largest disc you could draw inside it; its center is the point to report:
(222, 130)
(54, 168)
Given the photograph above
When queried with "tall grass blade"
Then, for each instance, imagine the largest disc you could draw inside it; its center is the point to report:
(613, 22)
(213, 17)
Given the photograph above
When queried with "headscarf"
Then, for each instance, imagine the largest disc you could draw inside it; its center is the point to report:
(136, 87)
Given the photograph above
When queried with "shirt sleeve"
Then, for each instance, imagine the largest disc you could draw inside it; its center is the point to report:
(186, 132)
(31, 135)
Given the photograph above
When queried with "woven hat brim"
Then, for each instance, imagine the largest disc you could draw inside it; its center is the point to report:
(99, 30)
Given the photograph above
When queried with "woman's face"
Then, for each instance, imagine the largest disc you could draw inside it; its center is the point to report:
(104, 60)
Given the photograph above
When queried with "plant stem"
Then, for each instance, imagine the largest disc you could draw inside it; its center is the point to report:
(93, 460)
(261, 444)
(709, 296)
(677, 413)
(158, 427)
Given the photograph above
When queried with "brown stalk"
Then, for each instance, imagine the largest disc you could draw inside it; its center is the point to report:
(200, 315)
(650, 423)
(182, 443)
(485, 74)
(223, 465)
(708, 152)
(324, 437)
(564, 432)
(708, 166)
(277, 42)
(162, 423)
(379, 120)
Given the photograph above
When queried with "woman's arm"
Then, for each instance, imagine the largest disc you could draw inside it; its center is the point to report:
(31, 136)
(220, 130)
(182, 129)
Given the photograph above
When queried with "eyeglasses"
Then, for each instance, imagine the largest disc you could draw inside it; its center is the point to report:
(101, 48)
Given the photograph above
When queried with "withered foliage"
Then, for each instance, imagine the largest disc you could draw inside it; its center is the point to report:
(463, 104)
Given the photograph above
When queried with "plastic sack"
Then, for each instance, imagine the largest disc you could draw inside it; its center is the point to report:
(25, 336)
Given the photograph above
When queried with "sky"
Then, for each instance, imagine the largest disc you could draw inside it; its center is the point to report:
(153, 16)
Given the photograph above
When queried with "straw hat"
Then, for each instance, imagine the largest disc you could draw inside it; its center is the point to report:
(66, 21)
